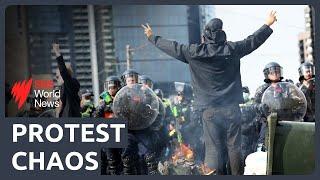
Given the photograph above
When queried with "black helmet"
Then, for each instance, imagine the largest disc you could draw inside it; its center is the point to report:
(245, 89)
(159, 93)
(304, 67)
(184, 89)
(87, 94)
(112, 81)
(144, 79)
(272, 67)
(129, 73)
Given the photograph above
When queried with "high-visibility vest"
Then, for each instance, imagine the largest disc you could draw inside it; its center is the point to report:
(105, 96)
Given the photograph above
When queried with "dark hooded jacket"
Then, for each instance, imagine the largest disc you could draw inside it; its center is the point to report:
(214, 64)
(69, 92)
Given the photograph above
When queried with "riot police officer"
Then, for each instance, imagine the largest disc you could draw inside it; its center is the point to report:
(159, 93)
(117, 161)
(86, 104)
(141, 154)
(146, 80)
(130, 77)
(111, 86)
(111, 160)
(272, 75)
(167, 119)
(157, 130)
(307, 86)
(167, 105)
(181, 109)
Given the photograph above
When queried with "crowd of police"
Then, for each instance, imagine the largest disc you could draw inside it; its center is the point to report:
(180, 121)
(254, 112)
(176, 120)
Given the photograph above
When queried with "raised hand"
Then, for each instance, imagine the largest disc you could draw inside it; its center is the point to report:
(271, 18)
(147, 30)
(56, 49)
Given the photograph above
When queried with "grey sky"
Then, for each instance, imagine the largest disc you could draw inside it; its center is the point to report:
(282, 46)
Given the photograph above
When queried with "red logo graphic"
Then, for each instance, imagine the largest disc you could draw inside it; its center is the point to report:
(20, 91)
(43, 84)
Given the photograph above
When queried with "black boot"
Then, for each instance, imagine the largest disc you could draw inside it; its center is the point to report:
(152, 164)
(104, 162)
(129, 165)
(114, 163)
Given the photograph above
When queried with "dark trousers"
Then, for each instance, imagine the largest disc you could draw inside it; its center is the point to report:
(142, 144)
(262, 134)
(222, 136)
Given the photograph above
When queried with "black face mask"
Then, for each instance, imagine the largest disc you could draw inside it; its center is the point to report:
(217, 37)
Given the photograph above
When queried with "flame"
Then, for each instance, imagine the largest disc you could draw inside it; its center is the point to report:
(183, 152)
(206, 170)
(175, 158)
(187, 152)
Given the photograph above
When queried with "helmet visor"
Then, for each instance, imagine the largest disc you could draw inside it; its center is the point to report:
(133, 76)
(111, 85)
(146, 82)
(276, 70)
(308, 70)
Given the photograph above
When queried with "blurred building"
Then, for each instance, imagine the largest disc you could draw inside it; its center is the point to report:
(16, 51)
(31, 30)
(16, 45)
(306, 39)
(69, 26)
(182, 23)
(206, 13)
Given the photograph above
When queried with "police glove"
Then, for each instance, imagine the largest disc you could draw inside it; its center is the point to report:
(264, 110)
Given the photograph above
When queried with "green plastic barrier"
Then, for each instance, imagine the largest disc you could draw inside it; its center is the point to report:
(291, 147)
